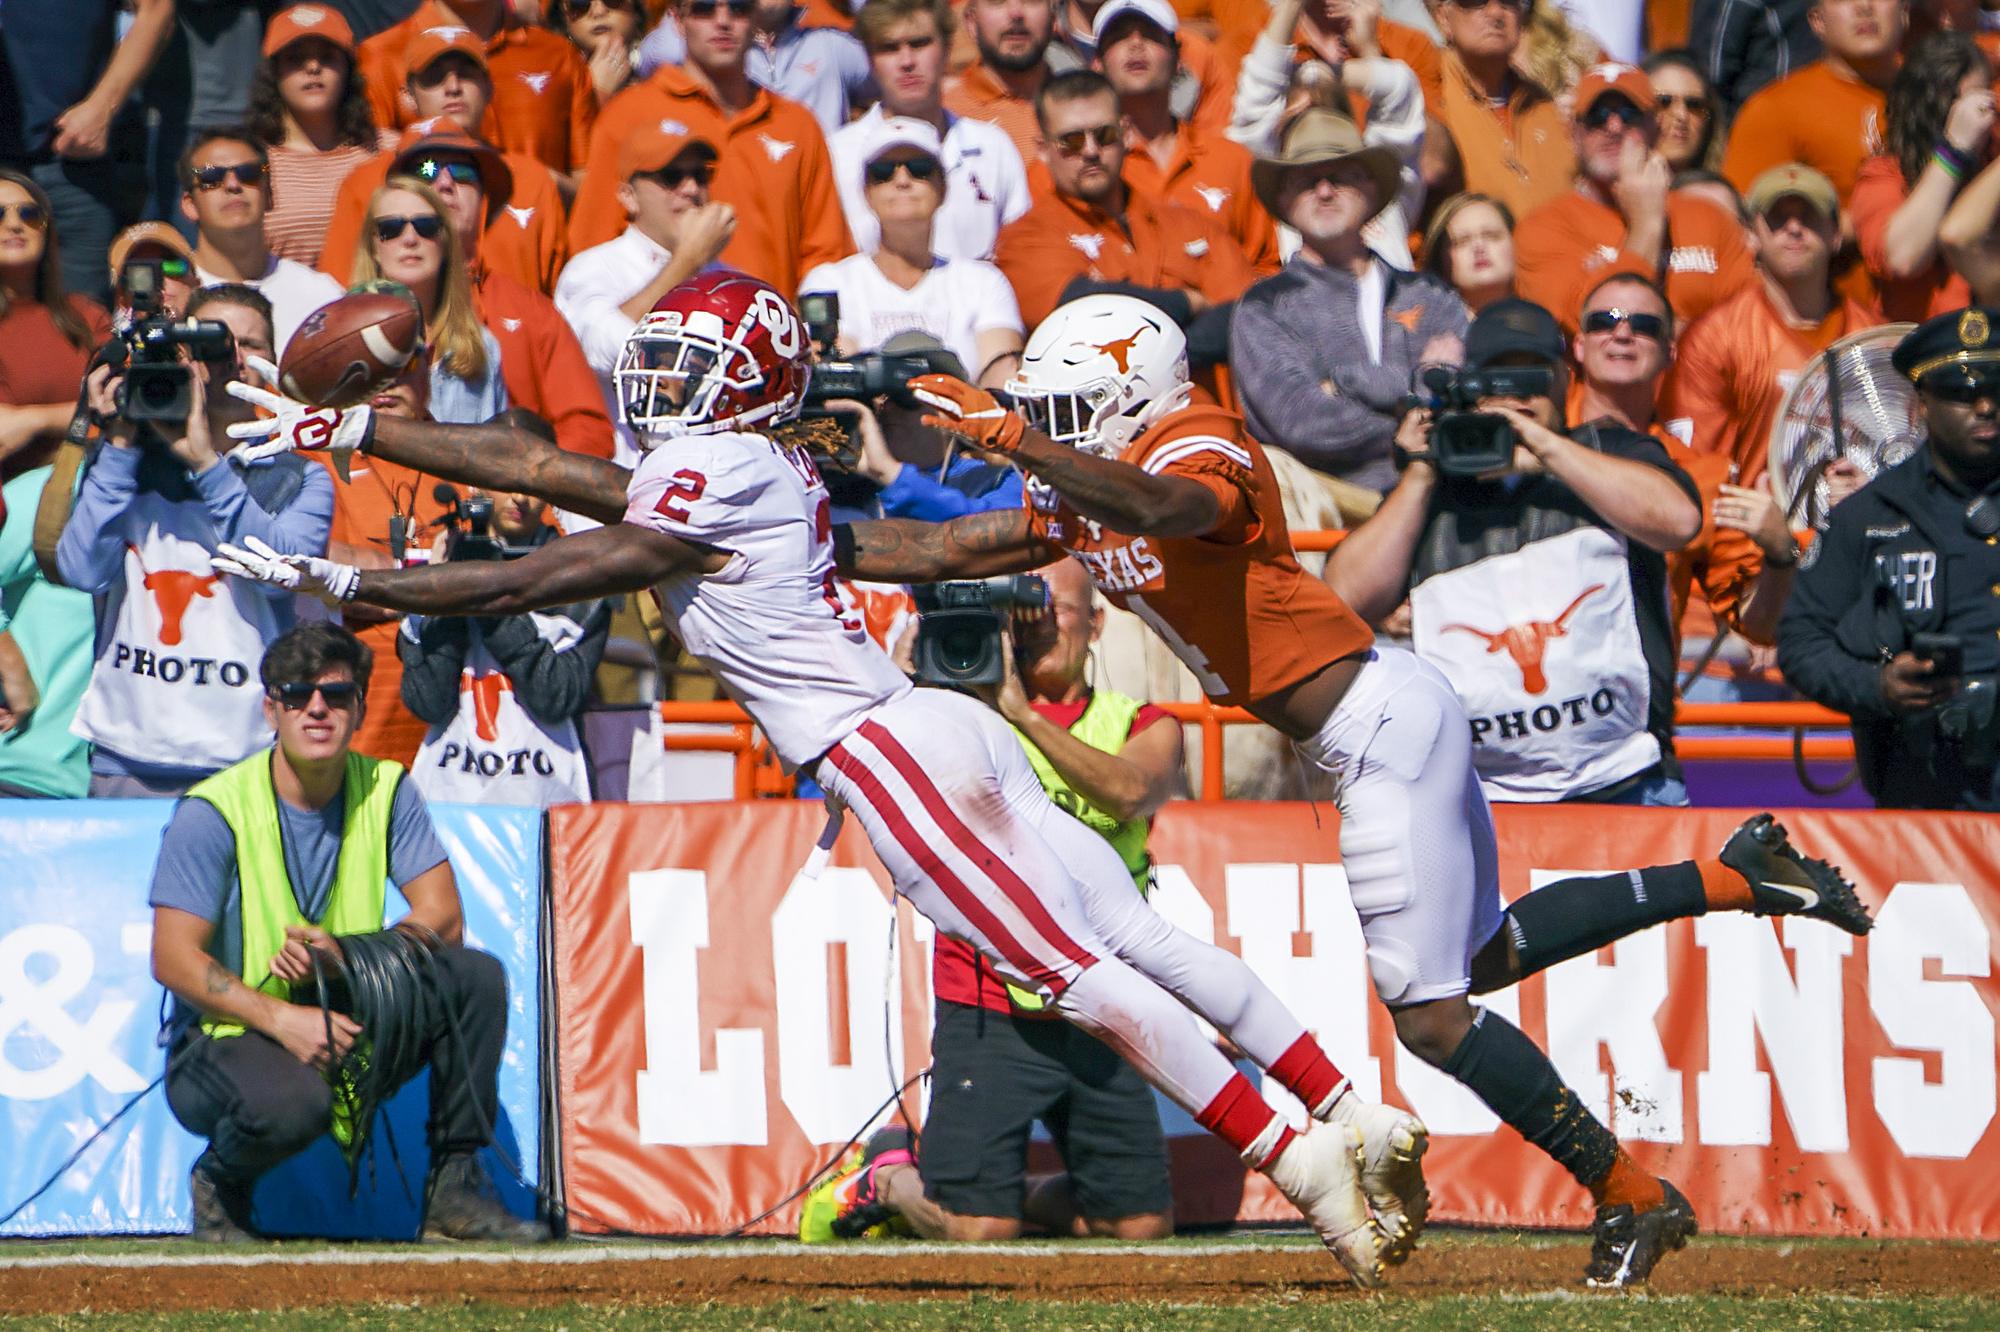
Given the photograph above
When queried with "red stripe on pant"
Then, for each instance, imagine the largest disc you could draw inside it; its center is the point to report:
(1002, 874)
(1239, 1116)
(941, 874)
(1305, 1071)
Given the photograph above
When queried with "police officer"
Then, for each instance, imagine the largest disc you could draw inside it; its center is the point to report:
(1896, 617)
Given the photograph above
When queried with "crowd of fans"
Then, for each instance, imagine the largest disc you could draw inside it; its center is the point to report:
(1328, 196)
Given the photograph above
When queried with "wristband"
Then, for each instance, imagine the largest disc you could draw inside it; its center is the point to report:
(1958, 165)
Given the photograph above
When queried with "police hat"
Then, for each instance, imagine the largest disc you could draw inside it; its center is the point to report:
(1513, 325)
(1964, 343)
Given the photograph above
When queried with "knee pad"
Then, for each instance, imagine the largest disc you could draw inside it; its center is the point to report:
(1392, 965)
(1374, 851)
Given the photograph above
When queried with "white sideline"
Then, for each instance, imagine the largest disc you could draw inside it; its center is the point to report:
(557, 1257)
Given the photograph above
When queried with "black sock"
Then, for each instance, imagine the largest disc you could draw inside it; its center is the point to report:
(1512, 1075)
(1571, 917)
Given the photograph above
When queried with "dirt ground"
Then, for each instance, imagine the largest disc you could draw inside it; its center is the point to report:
(1163, 1275)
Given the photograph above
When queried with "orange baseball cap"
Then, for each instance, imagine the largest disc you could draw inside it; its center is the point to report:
(653, 146)
(1628, 81)
(441, 134)
(425, 48)
(147, 233)
(325, 21)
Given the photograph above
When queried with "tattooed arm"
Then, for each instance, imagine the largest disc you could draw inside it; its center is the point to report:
(602, 562)
(978, 545)
(182, 963)
(1124, 498)
(499, 457)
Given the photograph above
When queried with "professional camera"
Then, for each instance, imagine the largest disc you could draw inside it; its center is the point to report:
(863, 378)
(157, 385)
(471, 519)
(959, 626)
(1464, 440)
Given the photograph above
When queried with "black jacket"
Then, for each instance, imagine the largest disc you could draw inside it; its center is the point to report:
(1896, 560)
(1744, 44)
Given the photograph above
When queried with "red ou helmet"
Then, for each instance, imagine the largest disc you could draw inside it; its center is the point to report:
(722, 351)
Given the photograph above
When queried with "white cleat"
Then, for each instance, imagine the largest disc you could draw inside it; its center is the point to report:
(1393, 1143)
(1320, 1173)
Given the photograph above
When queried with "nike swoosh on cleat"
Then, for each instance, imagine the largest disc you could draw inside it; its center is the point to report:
(1807, 898)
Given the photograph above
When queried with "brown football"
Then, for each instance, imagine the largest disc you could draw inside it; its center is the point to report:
(347, 351)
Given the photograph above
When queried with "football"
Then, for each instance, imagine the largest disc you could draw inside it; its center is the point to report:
(348, 350)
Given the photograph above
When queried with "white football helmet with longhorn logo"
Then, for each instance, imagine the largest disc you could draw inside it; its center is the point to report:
(1099, 370)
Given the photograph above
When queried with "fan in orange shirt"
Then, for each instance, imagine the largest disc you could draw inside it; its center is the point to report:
(1512, 139)
(1737, 361)
(1167, 158)
(1012, 36)
(772, 169)
(1621, 215)
(542, 105)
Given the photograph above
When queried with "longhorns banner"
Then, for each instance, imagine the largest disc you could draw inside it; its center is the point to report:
(725, 1025)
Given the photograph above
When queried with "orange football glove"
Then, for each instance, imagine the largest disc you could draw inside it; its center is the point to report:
(968, 411)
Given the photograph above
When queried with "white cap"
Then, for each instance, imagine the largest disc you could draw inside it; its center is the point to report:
(900, 132)
(1157, 12)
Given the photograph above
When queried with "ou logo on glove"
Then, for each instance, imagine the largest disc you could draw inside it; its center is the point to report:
(25, 1002)
(313, 431)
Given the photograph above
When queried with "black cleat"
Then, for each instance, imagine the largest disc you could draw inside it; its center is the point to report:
(1786, 883)
(1624, 1245)
(221, 1205)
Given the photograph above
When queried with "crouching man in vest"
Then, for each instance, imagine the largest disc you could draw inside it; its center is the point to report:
(265, 867)
(1001, 1063)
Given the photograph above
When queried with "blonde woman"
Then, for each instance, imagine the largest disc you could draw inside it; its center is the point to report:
(407, 237)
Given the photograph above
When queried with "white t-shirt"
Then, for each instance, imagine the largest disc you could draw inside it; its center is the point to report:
(294, 292)
(955, 302)
(774, 624)
(986, 185)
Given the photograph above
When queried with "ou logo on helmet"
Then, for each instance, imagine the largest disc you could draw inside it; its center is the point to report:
(787, 334)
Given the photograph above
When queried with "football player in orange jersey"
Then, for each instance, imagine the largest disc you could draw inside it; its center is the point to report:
(1176, 513)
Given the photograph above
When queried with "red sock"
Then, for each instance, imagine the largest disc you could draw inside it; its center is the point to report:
(1628, 1182)
(1246, 1121)
(1306, 1072)
(1725, 889)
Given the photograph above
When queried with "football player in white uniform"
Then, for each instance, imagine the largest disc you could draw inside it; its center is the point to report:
(729, 524)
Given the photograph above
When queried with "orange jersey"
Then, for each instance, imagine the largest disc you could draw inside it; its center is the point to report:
(1210, 175)
(1233, 605)
(1564, 247)
(1723, 560)
(1522, 156)
(525, 236)
(1825, 120)
(1733, 367)
(1062, 239)
(1878, 193)
(543, 102)
(542, 363)
(977, 94)
(773, 171)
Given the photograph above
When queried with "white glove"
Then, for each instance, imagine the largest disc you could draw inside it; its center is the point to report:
(325, 580)
(295, 425)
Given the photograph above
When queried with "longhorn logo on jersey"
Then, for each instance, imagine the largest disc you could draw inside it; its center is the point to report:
(1528, 643)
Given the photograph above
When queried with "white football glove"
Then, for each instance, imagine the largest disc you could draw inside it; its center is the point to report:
(325, 580)
(295, 426)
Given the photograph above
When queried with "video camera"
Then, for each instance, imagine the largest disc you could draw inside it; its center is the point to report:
(471, 520)
(862, 378)
(959, 626)
(1464, 440)
(157, 385)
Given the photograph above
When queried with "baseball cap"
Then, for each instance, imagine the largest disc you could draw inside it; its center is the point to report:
(288, 25)
(1793, 179)
(1513, 325)
(1628, 81)
(147, 233)
(442, 134)
(898, 132)
(1157, 12)
(651, 147)
(425, 48)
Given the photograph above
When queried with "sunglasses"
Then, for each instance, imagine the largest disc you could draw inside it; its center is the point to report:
(428, 226)
(1606, 109)
(464, 173)
(673, 177)
(1642, 325)
(1473, 6)
(705, 9)
(338, 694)
(248, 174)
(1104, 136)
(1960, 389)
(1688, 102)
(576, 9)
(30, 215)
(883, 170)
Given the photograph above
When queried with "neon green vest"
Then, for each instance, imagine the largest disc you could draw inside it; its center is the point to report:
(244, 796)
(1105, 724)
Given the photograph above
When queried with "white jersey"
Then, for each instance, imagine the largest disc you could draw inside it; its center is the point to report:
(774, 624)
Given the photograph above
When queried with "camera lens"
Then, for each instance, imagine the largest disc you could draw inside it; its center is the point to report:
(156, 393)
(962, 648)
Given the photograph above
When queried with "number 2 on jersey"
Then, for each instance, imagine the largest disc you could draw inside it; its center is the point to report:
(688, 485)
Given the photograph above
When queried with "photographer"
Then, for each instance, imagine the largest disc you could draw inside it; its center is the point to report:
(1002, 1063)
(173, 696)
(1893, 619)
(1537, 582)
(501, 694)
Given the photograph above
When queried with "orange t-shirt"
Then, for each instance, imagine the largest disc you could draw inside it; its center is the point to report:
(1733, 367)
(363, 506)
(1061, 239)
(1825, 120)
(542, 364)
(978, 95)
(543, 102)
(1210, 174)
(1521, 153)
(525, 237)
(773, 170)
(1878, 193)
(1234, 605)
(1563, 248)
